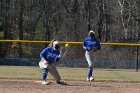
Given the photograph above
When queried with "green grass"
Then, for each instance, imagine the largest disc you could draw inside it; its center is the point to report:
(33, 72)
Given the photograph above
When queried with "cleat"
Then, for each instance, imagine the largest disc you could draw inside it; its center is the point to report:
(88, 79)
(62, 82)
(91, 78)
(45, 83)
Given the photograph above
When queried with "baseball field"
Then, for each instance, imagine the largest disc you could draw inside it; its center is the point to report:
(27, 79)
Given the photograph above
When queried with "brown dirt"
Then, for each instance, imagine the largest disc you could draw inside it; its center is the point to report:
(33, 86)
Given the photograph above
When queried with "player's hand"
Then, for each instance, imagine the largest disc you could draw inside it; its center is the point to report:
(46, 63)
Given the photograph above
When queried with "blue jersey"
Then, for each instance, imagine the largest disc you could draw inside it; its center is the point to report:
(50, 54)
(90, 43)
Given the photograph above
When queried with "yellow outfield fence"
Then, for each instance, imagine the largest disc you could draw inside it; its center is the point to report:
(64, 42)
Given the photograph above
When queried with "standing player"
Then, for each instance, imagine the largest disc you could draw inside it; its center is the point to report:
(49, 56)
(91, 45)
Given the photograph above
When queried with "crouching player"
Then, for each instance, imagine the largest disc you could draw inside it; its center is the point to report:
(91, 45)
(49, 56)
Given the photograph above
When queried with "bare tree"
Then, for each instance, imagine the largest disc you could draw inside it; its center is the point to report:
(128, 14)
(5, 23)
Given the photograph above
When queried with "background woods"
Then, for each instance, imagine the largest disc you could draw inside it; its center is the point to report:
(69, 20)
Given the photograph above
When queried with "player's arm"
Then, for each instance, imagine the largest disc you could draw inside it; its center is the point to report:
(98, 45)
(42, 56)
(59, 56)
(85, 46)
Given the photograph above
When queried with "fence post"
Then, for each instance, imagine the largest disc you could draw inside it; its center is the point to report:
(137, 64)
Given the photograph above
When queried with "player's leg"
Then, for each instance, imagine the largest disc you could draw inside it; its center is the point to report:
(44, 76)
(89, 58)
(44, 72)
(53, 71)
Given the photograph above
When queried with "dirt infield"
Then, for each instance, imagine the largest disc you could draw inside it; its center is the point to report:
(33, 86)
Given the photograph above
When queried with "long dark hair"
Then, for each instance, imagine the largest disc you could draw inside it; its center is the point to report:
(51, 43)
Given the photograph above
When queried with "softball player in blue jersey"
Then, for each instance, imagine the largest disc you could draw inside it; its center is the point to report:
(49, 56)
(91, 45)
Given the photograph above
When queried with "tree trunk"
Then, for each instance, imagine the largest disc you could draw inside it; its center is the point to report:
(20, 24)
